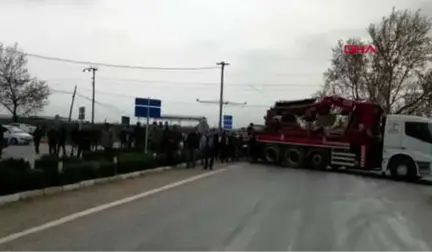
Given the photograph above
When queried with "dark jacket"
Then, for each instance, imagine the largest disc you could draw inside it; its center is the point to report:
(192, 141)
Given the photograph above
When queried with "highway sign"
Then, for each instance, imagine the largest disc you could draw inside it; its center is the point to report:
(150, 108)
(227, 122)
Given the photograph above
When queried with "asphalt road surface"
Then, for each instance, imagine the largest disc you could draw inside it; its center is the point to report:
(27, 151)
(254, 207)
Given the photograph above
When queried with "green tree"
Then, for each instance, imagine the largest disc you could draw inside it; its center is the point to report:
(20, 93)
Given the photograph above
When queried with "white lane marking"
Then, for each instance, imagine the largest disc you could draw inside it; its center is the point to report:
(104, 207)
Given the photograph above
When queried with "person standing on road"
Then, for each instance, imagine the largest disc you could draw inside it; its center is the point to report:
(192, 145)
(139, 136)
(52, 140)
(74, 137)
(107, 137)
(2, 141)
(211, 150)
(37, 136)
(61, 141)
(202, 147)
(223, 147)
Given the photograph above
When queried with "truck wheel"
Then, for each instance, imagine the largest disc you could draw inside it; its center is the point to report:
(403, 168)
(271, 154)
(294, 157)
(318, 159)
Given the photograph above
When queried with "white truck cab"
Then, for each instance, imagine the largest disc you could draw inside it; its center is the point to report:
(407, 146)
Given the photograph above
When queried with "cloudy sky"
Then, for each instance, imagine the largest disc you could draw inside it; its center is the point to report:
(277, 49)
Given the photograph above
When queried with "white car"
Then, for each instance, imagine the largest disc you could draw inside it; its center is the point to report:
(25, 127)
(15, 135)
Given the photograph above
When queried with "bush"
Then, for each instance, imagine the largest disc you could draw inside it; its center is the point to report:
(76, 172)
(15, 176)
(32, 180)
(72, 160)
(99, 154)
(49, 165)
(107, 168)
(15, 164)
(130, 162)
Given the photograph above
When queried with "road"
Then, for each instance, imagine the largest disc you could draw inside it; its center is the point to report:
(26, 151)
(254, 207)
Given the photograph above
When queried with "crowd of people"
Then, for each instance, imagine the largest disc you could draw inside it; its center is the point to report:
(162, 139)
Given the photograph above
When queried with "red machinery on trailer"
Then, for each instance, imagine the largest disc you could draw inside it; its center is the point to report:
(327, 131)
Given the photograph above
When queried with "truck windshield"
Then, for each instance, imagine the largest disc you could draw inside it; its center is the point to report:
(419, 130)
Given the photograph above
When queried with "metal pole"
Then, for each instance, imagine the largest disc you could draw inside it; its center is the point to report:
(72, 103)
(93, 95)
(147, 126)
(221, 102)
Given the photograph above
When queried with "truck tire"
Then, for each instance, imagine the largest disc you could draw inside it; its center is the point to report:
(403, 168)
(271, 154)
(294, 157)
(318, 159)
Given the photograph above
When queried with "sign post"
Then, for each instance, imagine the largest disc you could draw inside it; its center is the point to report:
(125, 120)
(227, 122)
(147, 108)
(81, 113)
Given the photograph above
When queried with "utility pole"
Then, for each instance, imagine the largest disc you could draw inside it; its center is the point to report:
(221, 101)
(72, 103)
(93, 70)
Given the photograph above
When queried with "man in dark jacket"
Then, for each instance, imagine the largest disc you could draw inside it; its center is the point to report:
(52, 140)
(211, 150)
(2, 140)
(85, 140)
(37, 136)
(192, 145)
(61, 141)
(224, 147)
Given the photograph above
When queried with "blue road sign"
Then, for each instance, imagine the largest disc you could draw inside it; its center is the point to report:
(148, 108)
(227, 122)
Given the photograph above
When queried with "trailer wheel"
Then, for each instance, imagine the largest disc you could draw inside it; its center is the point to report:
(403, 168)
(271, 154)
(318, 159)
(294, 157)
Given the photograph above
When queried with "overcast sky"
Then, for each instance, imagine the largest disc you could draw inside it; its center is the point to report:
(277, 49)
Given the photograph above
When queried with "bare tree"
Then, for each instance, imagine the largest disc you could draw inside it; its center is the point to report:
(347, 74)
(20, 93)
(396, 77)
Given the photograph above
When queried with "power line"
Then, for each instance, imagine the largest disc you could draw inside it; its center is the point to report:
(209, 84)
(117, 65)
(59, 91)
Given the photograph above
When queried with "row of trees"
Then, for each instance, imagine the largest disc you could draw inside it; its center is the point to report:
(20, 93)
(398, 76)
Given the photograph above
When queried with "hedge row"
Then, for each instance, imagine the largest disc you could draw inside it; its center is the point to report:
(16, 175)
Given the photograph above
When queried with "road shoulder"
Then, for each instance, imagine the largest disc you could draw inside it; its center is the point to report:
(32, 212)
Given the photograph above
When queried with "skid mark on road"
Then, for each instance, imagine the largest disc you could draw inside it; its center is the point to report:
(103, 207)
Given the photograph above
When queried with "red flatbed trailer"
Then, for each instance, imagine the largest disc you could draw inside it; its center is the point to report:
(283, 141)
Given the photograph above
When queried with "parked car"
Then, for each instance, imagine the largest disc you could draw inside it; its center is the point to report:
(15, 135)
(24, 127)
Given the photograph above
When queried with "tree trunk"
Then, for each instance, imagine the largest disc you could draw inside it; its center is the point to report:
(14, 116)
